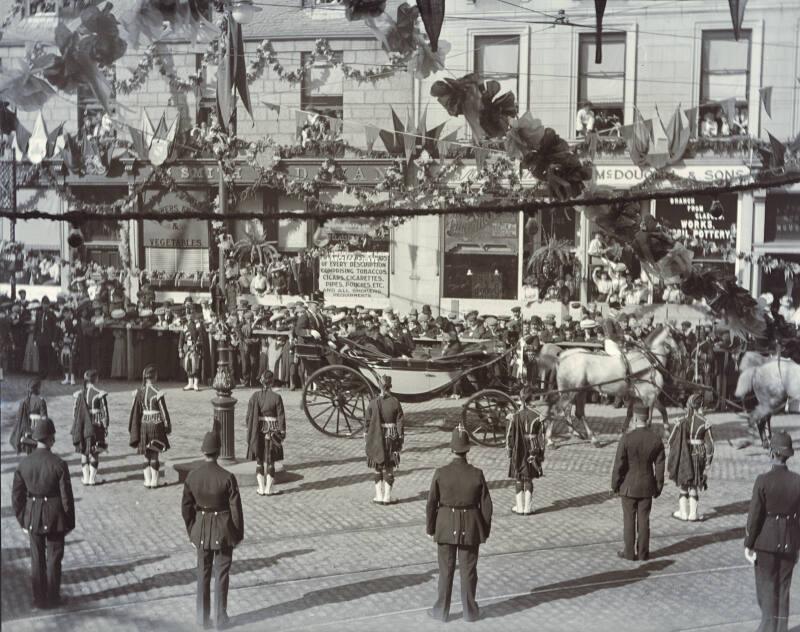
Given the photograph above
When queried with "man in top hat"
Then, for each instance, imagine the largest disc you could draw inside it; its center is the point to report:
(43, 504)
(772, 537)
(212, 511)
(459, 520)
(310, 324)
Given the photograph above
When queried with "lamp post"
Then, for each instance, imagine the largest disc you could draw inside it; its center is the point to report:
(224, 404)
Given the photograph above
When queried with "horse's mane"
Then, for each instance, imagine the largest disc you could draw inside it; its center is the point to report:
(653, 335)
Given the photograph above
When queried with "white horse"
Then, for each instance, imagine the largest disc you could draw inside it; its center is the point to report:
(579, 371)
(774, 380)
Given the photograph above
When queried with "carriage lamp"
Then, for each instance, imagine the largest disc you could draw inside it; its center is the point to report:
(716, 210)
(243, 11)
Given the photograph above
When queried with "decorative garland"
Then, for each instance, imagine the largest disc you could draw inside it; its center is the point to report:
(791, 269)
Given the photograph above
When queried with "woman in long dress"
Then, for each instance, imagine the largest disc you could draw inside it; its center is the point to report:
(31, 409)
(119, 356)
(90, 425)
(149, 425)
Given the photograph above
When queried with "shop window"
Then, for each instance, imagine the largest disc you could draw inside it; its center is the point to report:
(322, 89)
(782, 217)
(601, 87)
(481, 256)
(497, 58)
(778, 283)
(724, 75)
(546, 268)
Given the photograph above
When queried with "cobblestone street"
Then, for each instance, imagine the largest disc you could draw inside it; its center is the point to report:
(322, 556)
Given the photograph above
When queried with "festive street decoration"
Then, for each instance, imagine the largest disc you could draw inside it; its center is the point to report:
(432, 13)
(144, 21)
(737, 16)
(599, 10)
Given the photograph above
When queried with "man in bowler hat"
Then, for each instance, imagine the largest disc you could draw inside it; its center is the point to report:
(459, 519)
(212, 511)
(45, 509)
(772, 538)
(638, 477)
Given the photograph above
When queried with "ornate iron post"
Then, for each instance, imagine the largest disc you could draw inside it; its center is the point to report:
(224, 404)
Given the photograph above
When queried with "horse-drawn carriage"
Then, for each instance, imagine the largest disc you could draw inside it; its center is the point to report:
(342, 380)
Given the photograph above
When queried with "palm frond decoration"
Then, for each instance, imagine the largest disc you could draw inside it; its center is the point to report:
(254, 248)
(551, 258)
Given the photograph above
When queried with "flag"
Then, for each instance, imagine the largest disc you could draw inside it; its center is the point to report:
(677, 137)
(273, 106)
(432, 14)
(766, 99)
(37, 145)
(370, 135)
(148, 133)
(225, 84)
(55, 141)
(729, 107)
(599, 10)
(778, 150)
(737, 16)
(639, 146)
(691, 116)
(240, 68)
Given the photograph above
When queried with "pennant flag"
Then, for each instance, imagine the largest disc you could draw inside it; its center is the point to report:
(273, 106)
(161, 145)
(148, 132)
(225, 84)
(72, 153)
(335, 128)
(766, 99)
(161, 129)
(138, 142)
(778, 150)
(37, 145)
(55, 141)
(691, 116)
(394, 142)
(240, 68)
(370, 135)
(639, 146)
(737, 16)
(626, 132)
(19, 148)
(432, 14)
(677, 137)
(599, 10)
(729, 107)
(443, 146)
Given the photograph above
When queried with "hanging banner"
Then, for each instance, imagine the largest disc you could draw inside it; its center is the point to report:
(354, 275)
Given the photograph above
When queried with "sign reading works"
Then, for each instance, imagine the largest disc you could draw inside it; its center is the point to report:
(354, 275)
(181, 234)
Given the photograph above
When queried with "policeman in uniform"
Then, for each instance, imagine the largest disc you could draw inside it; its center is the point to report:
(42, 499)
(459, 519)
(772, 538)
(212, 511)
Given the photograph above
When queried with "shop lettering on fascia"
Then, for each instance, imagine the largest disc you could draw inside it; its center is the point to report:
(628, 175)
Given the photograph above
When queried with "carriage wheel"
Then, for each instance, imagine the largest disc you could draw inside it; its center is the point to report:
(335, 400)
(484, 417)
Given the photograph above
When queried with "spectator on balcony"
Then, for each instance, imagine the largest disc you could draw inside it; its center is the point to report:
(597, 247)
(602, 281)
(723, 125)
(584, 119)
(786, 308)
(739, 126)
(709, 127)
(672, 294)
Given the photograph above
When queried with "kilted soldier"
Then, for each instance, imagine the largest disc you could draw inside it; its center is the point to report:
(384, 438)
(149, 425)
(31, 410)
(459, 520)
(190, 352)
(41, 496)
(691, 450)
(525, 441)
(90, 425)
(772, 537)
(212, 511)
(70, 343)
(266, 430)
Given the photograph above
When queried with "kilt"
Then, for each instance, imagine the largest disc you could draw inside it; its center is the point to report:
(152, 428)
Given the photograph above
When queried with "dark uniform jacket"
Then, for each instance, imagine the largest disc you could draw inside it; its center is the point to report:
(639, 465)
(306, 322)
(459, 509)
(212, 508)
(773, 523)
(42, 494)
(264, 403)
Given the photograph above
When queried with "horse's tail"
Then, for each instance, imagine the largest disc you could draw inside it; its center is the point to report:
(745, 384)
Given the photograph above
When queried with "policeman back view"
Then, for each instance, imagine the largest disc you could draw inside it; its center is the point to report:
(772, 539)
(459, 519)
(212, 511)
(45, 509)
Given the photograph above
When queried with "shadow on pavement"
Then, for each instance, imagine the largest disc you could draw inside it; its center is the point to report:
(335, 594)
(733, 509)
(572, 589)
(598, 498)
(92, 573)
(181, 577)
(697, 541)
(351, 479)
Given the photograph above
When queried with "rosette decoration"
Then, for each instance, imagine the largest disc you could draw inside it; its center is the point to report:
(144, 20)
(487, 115)
(548, 157)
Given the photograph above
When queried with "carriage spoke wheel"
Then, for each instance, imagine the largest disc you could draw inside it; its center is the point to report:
(335, 400)
(484, 417)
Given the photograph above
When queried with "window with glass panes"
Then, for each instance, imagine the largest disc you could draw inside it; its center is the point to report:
(497, 58)
(601, 87)
(724, 75)
(322, 88)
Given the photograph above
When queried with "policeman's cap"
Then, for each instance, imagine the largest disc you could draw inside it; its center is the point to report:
(781, 444)
(211, 443)
(459, 442)
(45, 428)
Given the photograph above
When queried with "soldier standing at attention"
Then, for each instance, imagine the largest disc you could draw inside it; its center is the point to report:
(772, 538)
(266, 430)
(459, 519)
(31, 409)
(384, 438)
(525, 444)
(90, 425)
(212, 511)
(43, 503)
